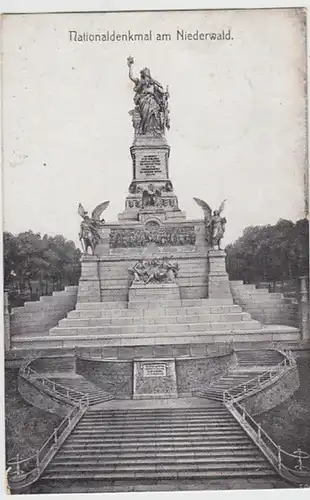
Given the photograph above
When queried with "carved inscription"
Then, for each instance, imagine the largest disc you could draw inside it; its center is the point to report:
(154, 370)
(150, 165)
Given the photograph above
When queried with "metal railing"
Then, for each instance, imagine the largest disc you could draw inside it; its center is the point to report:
(72, 394)
(291, 466)
(261, 381)
(23, 472)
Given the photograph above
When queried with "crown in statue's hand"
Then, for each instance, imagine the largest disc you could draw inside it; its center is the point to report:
(130, 60)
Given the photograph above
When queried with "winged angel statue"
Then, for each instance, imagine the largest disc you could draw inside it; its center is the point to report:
(214, 223)
(88, 234)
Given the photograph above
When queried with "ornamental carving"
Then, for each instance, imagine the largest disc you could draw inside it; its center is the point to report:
(160, 235)
(154, 271)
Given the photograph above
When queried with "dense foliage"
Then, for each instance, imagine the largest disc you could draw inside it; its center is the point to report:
(270, 253)
(44, 263)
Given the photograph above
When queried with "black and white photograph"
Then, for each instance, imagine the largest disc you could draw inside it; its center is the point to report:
(155, 251)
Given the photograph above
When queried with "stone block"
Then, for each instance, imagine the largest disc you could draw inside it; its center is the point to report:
(154, 379)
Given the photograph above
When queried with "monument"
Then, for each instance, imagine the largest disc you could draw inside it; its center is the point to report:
(152, 230)
(154, 282)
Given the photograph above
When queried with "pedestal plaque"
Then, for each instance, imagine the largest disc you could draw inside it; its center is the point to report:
(154, 379)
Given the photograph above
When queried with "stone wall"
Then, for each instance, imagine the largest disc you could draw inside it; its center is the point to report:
(154, 379)
(266, 307)
(192, 374)
(270, 397)
(57, 364)
(115, 262)
(111, 376)
(39, 317)
(36, 396)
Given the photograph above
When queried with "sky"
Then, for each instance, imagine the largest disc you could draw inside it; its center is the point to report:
(237, 109)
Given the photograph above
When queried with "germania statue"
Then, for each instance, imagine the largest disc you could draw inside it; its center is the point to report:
(214, 223)
(151, 113)
(89, 235)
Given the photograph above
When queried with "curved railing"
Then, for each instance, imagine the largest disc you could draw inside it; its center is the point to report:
(60, 390)
(261, 381)
(291, 466)
(24, 472)
(294, 467)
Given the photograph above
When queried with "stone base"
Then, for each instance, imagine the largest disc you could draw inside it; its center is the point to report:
(153, 292)
(218, 278)
(89, 284)
(154, 379)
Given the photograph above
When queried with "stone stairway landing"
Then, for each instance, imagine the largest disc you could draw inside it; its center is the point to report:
(147, 444)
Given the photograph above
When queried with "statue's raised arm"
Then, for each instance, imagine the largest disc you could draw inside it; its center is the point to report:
(130, 61)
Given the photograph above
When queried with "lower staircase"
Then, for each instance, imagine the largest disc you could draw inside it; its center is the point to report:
(81, 384)
(155, 444)
(250, 364)
(262, 357)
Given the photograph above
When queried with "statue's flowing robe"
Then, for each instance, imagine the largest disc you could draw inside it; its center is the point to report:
(150, 106)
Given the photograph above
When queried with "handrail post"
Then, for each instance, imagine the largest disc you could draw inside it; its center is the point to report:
(18, 472)
(299, 457)
(38, 458)
(55, 435)
(243, 413)
(259, 432)
(279, 457)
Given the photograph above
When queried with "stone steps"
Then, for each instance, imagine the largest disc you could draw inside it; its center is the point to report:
(95, 394)
(158, 304)
(157, 444)
(155, 329)
(162, 454)
(129, 321)
(97, 312)
(263, 357)
(214, 390)
(266, 335)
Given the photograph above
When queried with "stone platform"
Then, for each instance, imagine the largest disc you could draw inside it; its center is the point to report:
(161, 292)
(157, 323)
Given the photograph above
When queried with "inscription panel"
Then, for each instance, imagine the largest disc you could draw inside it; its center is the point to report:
(150, 165)
(154, 370)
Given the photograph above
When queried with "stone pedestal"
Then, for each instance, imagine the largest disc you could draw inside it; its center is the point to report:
(153, 292)
(89, 284)
(154, 379)
(218, 278)
(150, 189)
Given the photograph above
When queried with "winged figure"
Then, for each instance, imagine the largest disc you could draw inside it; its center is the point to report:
(150, 196)
(215, 224)
(89, 235)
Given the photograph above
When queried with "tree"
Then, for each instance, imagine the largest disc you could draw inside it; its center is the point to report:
(270, 253)
(49, 260)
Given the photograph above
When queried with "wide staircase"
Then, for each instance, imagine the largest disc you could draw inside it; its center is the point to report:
(156, 444)
(169, 322)
(261, 360)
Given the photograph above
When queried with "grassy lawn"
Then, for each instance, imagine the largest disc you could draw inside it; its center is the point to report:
(27, 427)
(289, 423)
